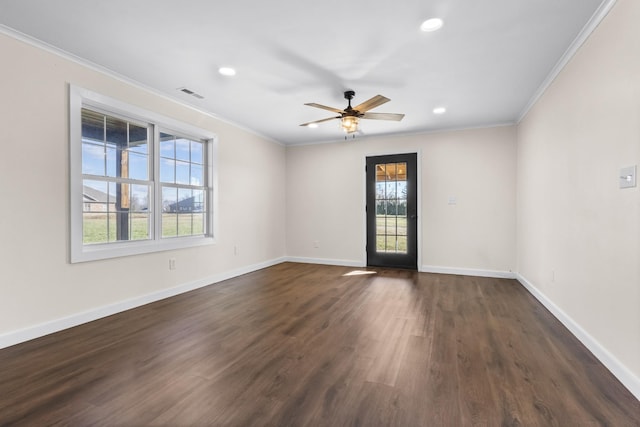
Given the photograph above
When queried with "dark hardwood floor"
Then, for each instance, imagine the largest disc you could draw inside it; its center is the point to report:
(310, 345)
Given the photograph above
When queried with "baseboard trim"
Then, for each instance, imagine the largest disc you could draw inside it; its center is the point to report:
(40, 330)
(620, 371)
(468, 272)
(326, 261)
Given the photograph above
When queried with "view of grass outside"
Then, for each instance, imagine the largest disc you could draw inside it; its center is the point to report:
(391, 233)
(182, 224)
(101, 227)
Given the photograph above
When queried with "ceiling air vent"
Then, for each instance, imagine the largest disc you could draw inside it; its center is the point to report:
(190, 92)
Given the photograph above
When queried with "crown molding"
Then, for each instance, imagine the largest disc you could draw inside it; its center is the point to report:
(595, 20)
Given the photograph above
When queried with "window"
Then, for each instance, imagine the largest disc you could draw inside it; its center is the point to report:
(140, 182)
(181, 176)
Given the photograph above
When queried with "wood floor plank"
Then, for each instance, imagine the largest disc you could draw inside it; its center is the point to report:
(297, 344)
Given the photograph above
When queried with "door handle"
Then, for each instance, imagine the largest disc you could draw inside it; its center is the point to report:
(413, 216)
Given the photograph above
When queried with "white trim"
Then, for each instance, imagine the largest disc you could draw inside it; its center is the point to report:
(573, 48)
(36, 331)
(325, 261)
(619, 370)
(497, 274)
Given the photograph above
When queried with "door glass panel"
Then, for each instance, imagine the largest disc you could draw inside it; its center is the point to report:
(391, 208)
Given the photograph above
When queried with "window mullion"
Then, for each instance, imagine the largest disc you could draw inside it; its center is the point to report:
(157, 190)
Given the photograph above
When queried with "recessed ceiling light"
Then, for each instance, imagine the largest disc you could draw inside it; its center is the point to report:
(312, 125)
(227, 71)
(432, 24)
(439, 110)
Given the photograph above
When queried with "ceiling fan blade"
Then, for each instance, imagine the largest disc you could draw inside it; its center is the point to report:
(321, 120)
(371, 103)
(324, 107)
(383, 116)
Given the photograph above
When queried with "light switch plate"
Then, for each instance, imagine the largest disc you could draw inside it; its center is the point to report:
(628, 177)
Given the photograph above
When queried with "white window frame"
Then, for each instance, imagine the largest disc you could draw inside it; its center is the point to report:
(79, 252)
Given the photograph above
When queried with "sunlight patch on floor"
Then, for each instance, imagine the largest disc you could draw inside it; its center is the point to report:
(359, 273)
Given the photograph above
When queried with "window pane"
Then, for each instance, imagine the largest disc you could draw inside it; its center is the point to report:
(182, 172)
(401, 171)
(390, 245)
(93, 159)
(184, 224)
(169, 199)
(402, 190)
(185, 200)
(139, 198)
(380, 244)
(119, 225)
(198, 223)
(94, 227)
(123, 198)
(196, 175)
(167, 170)
(402, 244)
(402, 226)
(198, 201)
(139, 226)
(391, 190)
(92, 126)
(111, 161)
(169, 225)
(169, 209)
(116, 132)
(95, 196)
(167, 146)
(391, 225)
(197, 152)
(380, 225)
(401, 209)
(183, 147)
(391, 172)
(380, 190)
(138, 166)
(138, 139)
(111, 219)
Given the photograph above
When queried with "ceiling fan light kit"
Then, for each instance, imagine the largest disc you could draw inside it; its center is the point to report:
(350, 116)
(349, 124)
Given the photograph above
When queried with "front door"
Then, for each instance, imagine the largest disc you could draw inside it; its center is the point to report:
(392, 219)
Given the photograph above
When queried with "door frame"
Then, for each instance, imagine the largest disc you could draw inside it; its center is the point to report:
(363, 191)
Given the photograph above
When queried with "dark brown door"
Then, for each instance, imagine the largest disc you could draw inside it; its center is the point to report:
(392, 212)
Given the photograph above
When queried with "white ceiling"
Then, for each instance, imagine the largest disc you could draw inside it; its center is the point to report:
(485, 65)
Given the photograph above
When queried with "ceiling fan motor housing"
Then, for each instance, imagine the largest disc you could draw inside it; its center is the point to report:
(349, 111)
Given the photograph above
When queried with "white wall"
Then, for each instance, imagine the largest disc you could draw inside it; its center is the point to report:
(326, 187)
(38, 284)
(578, 233)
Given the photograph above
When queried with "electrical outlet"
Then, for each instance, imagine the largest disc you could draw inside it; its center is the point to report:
(236, 250)
(172, 263)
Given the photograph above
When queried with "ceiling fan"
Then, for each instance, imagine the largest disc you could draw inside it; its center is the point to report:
(350, 116)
